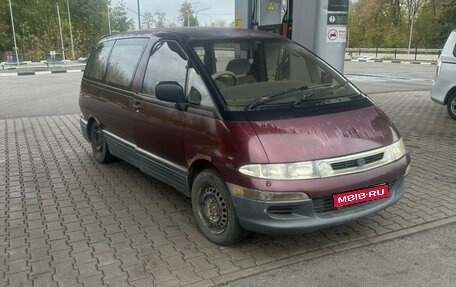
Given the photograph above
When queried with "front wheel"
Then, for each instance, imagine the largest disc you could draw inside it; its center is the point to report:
(213, 210)
(452, 106)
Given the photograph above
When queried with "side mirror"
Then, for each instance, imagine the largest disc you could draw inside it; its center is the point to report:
(170, 92)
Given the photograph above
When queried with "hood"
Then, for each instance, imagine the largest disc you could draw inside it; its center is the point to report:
(325, 136)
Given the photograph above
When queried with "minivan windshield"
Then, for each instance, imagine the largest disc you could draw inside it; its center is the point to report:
(263, 73)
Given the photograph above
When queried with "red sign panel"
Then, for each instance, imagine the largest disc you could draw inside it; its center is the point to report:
(362, 195)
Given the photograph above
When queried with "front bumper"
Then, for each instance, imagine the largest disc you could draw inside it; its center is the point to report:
(305, 216)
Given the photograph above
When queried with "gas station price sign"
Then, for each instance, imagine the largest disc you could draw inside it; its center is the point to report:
(338, 5)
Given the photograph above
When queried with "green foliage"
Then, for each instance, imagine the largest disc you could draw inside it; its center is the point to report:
(434, 25)
(386, 23)
(37, 29)
(5, 41)
(119, 20)
(186, 14)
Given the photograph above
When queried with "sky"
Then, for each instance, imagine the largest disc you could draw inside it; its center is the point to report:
(219, 9)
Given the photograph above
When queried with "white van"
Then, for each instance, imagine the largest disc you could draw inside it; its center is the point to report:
(444, 85)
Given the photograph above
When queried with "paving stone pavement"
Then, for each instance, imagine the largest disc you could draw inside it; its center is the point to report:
(68, 221)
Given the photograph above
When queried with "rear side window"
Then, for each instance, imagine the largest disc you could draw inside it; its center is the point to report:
(97, 66)
(123, 61)
(167, 62)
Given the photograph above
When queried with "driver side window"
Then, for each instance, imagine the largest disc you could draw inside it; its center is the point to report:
(167, 62)
(197, 93)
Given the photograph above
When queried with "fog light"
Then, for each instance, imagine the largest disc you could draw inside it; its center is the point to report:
(259, 195)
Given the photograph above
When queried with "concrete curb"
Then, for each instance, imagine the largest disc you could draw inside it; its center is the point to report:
(392, 61)
(40, 73)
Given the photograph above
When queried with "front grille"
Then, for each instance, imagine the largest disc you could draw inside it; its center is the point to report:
(357, 162)
(323, 204)
(326, 203)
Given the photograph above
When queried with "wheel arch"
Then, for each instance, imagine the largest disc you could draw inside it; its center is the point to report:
(195, 168)
(451, 92)
(90, 123)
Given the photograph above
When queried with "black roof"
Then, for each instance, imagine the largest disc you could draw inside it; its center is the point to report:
(196, 33)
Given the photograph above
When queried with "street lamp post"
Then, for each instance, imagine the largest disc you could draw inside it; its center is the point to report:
(200, 10)
(14, 33)
(131, 10)
(210, 18)
(413, 7)
(71, 30)
(109, 20)
(139, 16)
(60, 28)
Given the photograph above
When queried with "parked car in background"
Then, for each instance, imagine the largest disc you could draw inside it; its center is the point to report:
(262, 134)
(444, 85)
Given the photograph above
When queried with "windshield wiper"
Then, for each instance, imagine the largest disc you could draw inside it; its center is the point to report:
(308, 93)
(262, 100)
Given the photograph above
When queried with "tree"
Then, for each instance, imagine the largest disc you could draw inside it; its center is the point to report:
(90, 21)
(119, 19)
(369, 23)
(157, 20)
(37, 29)
(187, 15)
(219, 23)
(160, 20)
(436, 20)
(412, 9)
(148, 19)
(6, 43)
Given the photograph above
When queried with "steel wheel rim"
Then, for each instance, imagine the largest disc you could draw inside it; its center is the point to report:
(453, 106)
(212, 209)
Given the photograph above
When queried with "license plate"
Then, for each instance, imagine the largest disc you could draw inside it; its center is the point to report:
(362, 195)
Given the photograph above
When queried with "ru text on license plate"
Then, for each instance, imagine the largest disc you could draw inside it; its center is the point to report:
(362, 195)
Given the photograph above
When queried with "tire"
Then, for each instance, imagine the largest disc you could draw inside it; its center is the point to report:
(451, 106)
(213, 210)
(100, 148)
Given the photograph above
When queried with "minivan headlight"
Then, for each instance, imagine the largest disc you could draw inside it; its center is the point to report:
(395, 151)
(299, 170)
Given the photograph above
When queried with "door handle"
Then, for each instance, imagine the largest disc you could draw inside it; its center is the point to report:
(137, 106)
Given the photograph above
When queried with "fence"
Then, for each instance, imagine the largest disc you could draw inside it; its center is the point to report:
(401, 54)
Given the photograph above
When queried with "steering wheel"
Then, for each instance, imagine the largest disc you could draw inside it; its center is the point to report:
(225, 73)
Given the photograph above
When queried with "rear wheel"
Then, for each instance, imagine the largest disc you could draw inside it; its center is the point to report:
(214, 211)
(452, 106)
(99, 146)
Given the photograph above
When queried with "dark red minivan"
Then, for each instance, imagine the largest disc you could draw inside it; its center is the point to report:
(262, 134)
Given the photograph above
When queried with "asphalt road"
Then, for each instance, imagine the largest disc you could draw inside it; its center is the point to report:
(388, 77)
(57, 94)
(40, 95)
